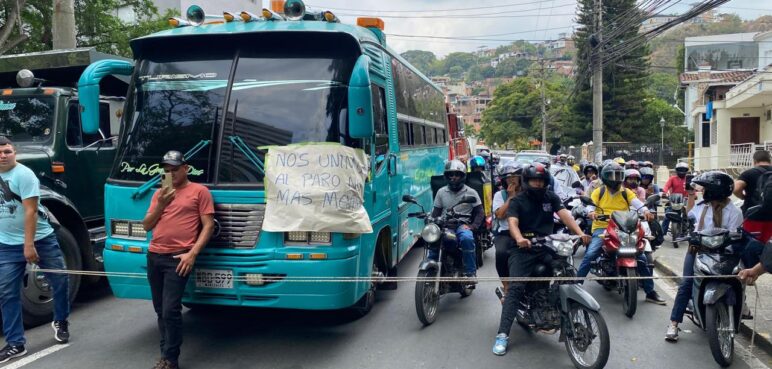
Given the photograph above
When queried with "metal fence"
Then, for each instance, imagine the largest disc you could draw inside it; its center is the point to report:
(635, 151)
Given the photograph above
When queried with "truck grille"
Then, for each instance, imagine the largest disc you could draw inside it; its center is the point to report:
(239, 225)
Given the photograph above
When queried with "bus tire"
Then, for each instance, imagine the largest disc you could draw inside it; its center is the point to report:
(36, 295)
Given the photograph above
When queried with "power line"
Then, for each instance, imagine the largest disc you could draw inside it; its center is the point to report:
(470, 16)
(431, 10)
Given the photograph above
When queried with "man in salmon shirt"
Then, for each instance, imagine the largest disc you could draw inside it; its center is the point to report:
(182, 220)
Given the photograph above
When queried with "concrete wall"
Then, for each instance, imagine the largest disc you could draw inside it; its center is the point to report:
(765, 52)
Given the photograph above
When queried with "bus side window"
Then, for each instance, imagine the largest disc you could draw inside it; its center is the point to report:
(380, 122)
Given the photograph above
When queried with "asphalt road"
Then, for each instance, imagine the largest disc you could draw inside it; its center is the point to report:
(112, 333)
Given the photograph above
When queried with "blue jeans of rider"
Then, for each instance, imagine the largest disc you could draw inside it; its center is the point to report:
(666, 221)
(596, 247)
(749, 254)
(466, 240)
(12, 267)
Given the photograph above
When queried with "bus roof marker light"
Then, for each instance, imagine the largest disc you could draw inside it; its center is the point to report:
(178, 22)
(328, 16)
(294, 10)
(269, 14)
(368, 22)
(230, 17)
(249, 17)
(195, 15)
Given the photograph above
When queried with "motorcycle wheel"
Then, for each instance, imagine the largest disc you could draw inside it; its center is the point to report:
(478, 253)
(720, 333)
(589, 347)
(630, 291)
(427, 298)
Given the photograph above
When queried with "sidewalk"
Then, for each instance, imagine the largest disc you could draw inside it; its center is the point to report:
(669, 261)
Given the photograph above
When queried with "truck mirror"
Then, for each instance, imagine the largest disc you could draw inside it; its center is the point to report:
(360, 100)
(88, 89)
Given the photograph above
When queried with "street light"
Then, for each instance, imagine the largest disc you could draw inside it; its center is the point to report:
(662, 142)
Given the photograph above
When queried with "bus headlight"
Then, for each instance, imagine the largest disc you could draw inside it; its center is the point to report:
(130, 229)
(431, 233)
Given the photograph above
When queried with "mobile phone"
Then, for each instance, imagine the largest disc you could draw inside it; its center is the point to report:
(166, 180)
(689, 178)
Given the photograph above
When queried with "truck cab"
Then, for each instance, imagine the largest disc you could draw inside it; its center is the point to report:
(39, 112)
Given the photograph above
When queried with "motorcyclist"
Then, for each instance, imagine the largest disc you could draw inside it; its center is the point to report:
(589, 182)
(553, 185)
(647, 181)
(477, 164)
(715, 208)
(511, 185)
(633, 181)
(571, 161)
(675, 184)
(613, 197)
(562, 159)
(530, 214)
(647, 164)
(631, 164)
(565, 174)
(472, 214)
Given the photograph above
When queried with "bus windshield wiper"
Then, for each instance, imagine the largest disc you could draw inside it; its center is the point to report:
(244, 148)
(141, 190)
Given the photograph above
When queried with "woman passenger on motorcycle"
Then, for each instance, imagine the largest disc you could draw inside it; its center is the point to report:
(633, 181)
(647, 181)
(613, 197)
(511, 186)
(530, 214)
(714, 211)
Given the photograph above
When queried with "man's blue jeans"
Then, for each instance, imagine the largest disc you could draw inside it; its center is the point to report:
(466, 239)
(749, 254)
(666, 221)
(596, 247)
(12, 266)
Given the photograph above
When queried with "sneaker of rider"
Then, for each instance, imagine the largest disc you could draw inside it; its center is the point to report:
(471, 278)
(653, 297)
(672, 333)
(61, 330)
(9, 352)
(500, 346)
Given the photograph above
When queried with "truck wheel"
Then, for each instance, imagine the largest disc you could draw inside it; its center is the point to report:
(37, 295)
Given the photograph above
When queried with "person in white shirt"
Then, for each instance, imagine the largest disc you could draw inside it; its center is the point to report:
(714, 211)
(511, 184)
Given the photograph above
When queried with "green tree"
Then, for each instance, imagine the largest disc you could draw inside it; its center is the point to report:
(663, 86)
(458, 59)
(456, 72)
(423, 60)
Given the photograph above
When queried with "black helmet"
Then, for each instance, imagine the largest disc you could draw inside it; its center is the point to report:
(455, 183)
(717, 185)
(588, 167)
(542, 161)
(612, 175)
(682, 167)
(536, 171)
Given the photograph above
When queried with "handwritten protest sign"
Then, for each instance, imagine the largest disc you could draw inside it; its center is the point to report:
(315, 188)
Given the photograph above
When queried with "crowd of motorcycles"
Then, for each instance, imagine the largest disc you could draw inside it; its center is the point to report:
(557, 303)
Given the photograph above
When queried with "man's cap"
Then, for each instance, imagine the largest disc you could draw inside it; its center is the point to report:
(173, 157)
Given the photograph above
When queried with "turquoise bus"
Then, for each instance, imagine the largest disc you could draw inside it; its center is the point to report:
(218, 92)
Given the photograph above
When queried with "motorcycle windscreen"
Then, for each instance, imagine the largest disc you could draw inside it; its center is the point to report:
(626, 221)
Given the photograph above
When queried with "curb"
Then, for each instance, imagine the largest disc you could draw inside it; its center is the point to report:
(761, 341)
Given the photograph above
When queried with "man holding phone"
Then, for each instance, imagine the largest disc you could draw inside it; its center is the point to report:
(181, 216)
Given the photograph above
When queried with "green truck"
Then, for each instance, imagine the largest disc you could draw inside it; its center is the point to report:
(39, 112)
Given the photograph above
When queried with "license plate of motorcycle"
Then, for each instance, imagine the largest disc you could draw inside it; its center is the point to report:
(214, 278)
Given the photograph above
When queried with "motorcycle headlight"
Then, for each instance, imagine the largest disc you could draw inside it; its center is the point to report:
(431, 233)
(676, 207)
(628, 239)
(712, 242)
(563, 248)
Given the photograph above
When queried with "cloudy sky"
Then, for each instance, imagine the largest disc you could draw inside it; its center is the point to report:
(506, 19)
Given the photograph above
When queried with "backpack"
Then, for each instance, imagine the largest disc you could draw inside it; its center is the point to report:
(762, 195)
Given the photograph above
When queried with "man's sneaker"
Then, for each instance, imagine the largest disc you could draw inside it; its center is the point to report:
(61, 330)
(9, 352)
(672, 333)
(500, 346)
(653, 297)
(165, 364)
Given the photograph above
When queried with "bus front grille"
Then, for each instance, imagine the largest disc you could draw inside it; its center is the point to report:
(237, 225)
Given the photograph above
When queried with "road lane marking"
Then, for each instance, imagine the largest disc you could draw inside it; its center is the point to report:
(742, 352)
(38, 355)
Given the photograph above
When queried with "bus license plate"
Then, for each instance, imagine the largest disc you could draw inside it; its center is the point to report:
(214, 278)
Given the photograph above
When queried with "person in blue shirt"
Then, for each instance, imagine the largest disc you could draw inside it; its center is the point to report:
(25, 237)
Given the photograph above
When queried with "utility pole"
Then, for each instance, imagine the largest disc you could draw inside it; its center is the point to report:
(63, 25)
(597, 88)
(543, 108)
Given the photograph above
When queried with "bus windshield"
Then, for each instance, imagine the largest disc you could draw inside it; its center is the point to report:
(275, 99)
(27, 118)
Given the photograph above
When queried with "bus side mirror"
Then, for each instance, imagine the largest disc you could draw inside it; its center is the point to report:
(88, 89)
(360, 100)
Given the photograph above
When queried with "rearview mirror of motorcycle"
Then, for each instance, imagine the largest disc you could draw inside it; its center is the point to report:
(410, 199)
(468, 200)
(652, 200)
(586, 200)
(752, 211)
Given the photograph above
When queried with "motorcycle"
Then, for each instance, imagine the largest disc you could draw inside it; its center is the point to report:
(717, 304)
(483, 239)
(445, 275)
(564, 305)
(680, 225)
(623, 240)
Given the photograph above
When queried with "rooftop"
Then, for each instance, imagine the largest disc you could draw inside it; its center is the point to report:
(720, 39)
(716, 77)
